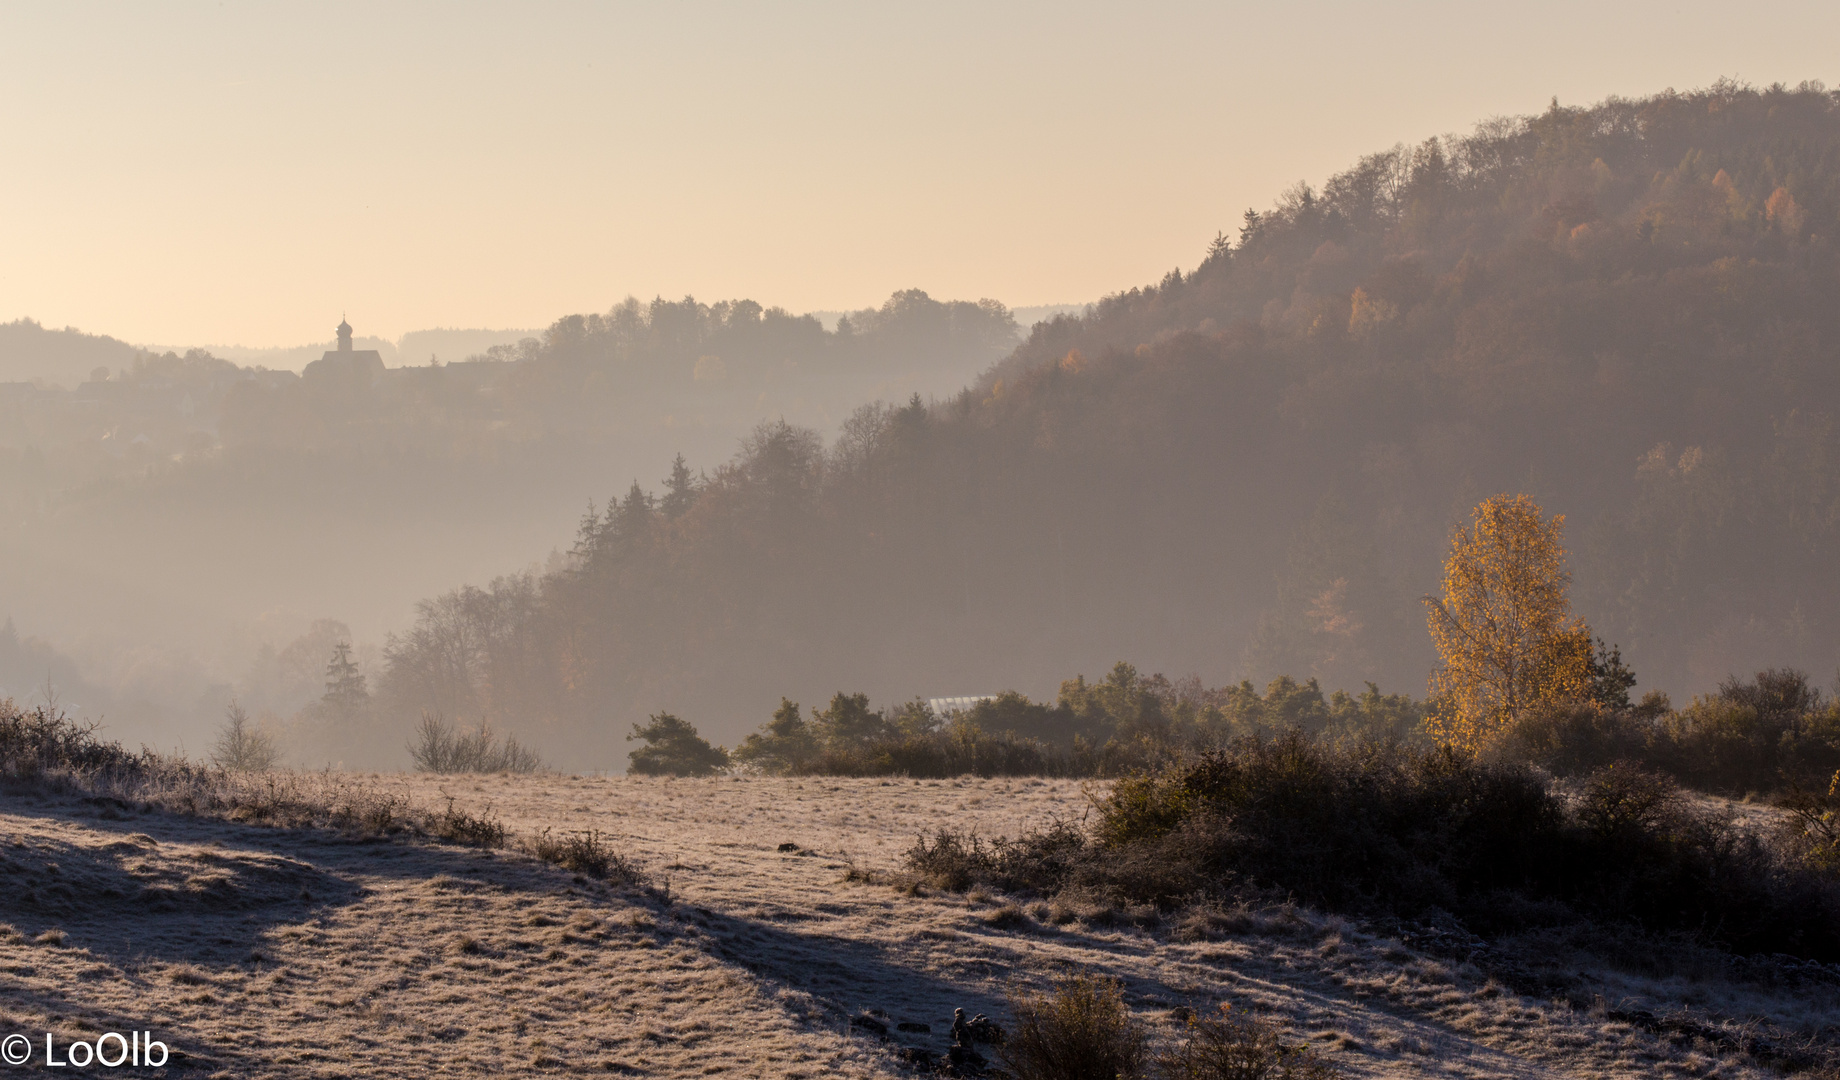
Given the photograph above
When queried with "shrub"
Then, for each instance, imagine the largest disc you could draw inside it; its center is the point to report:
(464, 828)
(1815, 826)
(1768, 734)
(586, 853)
(1238, 1046)
(1573, 739)
(1772, 733)
(44, 741)
(1045, 861)
(440, 749)
(1339, 827)
(1079, 1031)
(1626, 801)
(959, 748)
(1123, 723)
(673, 748)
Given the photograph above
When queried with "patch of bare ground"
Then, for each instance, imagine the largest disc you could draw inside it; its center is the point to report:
(265, 951)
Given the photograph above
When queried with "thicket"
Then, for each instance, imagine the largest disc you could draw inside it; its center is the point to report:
(1124, 722)
(1387, 828)
(1773, 734)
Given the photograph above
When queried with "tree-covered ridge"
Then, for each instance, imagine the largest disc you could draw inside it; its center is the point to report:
(1641, 187)
(1626, 308)
(1252, 468)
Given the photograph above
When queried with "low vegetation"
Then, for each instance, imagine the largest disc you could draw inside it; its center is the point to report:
(585, 853)
(1083, 1030)
(1124, 722)
(1773, 733)
(1402, 831)
(45, 751)
(1238, 1046)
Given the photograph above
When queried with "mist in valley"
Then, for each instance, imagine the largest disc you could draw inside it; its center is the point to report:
(185, 528)
(1247, 469)
(1146, 542)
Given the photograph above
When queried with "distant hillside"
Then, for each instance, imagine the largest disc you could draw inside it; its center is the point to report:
(66, 357)
(414, 348)
(163, 523)
(1627, 311)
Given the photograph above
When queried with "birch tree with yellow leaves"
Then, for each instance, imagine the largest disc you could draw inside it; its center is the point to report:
(1505, 637)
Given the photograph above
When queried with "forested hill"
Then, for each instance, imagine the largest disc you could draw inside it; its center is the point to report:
(1630, 312)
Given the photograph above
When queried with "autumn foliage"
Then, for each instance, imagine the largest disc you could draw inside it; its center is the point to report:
(1505, 639)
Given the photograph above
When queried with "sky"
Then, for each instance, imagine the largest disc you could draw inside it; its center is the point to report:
(248, 173)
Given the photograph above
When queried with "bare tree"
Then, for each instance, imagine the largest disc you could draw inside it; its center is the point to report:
(440, 749)
(241, 746)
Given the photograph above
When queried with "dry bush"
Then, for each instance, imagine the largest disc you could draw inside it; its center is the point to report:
(1626, 800)
(440, 749)
(464, 828)
(585, 853)
(1238, 1046)
(1007, 917)
(44, 743)
(1081, 1030)
(1038, 862)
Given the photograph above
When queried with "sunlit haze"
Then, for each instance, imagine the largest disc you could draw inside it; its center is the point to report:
(246, 173)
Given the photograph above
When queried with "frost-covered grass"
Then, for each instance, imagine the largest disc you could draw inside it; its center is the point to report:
(268, 951)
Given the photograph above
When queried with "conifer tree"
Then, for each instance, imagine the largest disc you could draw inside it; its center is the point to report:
(679, 490)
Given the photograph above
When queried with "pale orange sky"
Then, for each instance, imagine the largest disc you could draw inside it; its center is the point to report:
(245, 173)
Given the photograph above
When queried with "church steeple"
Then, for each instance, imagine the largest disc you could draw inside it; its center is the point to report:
(344, 335)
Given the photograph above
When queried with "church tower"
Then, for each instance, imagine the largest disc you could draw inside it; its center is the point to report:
(345, 371)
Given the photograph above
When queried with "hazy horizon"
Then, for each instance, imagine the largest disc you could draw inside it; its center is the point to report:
(236, 174)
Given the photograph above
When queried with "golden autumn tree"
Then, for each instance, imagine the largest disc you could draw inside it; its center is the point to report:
(1503, 630)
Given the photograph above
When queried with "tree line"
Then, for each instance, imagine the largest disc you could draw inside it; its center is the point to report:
(1248, 468)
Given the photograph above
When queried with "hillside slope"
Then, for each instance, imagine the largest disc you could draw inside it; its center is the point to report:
(1626, 311)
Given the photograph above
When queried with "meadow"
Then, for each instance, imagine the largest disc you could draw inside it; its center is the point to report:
(770, 930)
